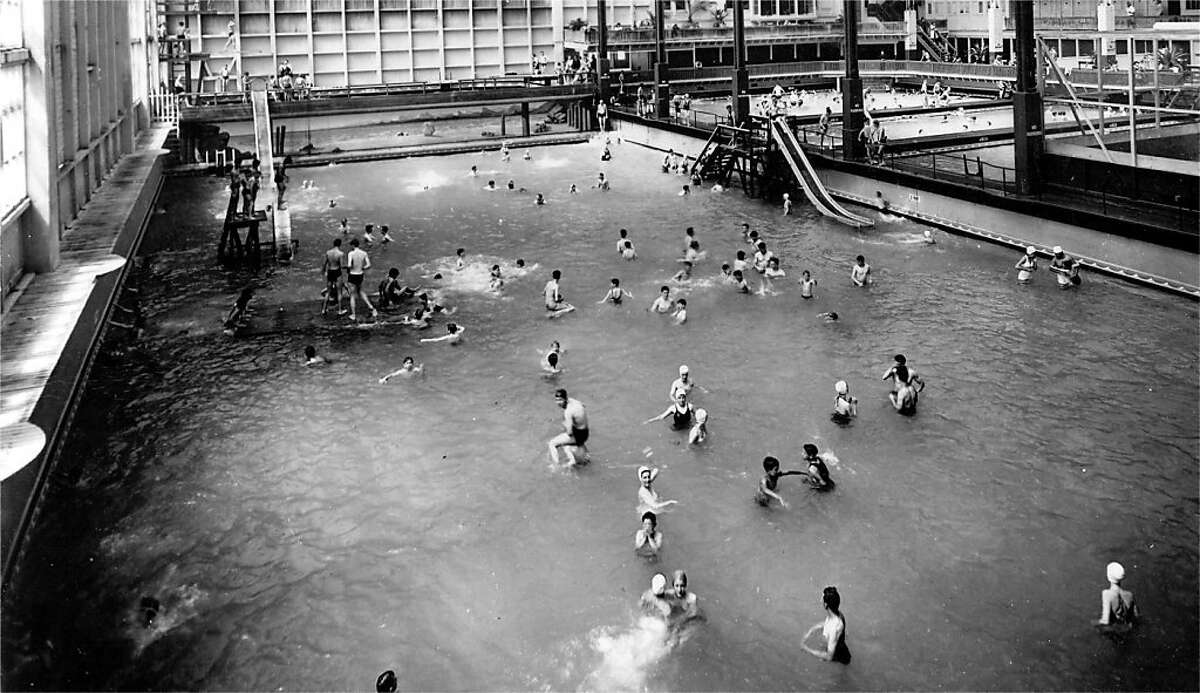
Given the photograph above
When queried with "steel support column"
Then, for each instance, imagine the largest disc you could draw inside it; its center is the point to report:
(1028, 129)
(662, 87)
(602, 50)
(741, 76)
(852, 93)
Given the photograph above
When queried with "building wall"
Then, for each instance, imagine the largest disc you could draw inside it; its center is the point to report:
(69, 115)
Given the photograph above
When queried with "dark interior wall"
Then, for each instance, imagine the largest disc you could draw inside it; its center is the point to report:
(1141, 184)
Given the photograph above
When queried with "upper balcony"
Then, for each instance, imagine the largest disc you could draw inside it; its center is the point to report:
(642, 37)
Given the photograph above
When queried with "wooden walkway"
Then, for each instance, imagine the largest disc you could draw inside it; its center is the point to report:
(35, 331)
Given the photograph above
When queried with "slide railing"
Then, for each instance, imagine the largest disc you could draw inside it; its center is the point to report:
(813, 188)
(282, 219)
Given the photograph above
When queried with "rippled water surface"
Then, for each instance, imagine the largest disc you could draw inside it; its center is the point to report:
(307, 528)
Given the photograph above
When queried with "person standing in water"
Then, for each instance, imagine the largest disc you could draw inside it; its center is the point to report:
(818, 472)
(648, 540)
(1118, 611)
(833, 629)
(662, 304)
(1065, 269)
(332, 267)
(554, 300)
(860, 273)
(845, 406)
(1027, 265)
(648, 499)
(680, 412)
(769, 482)
(357, 263)
(684, 604)
(806, 284)
(575, 429)
(654, 603)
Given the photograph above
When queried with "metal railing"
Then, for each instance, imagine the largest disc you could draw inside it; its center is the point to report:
(690, 34)
(163, 107)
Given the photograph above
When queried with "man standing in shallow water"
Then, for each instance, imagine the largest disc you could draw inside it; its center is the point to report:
(575, 426)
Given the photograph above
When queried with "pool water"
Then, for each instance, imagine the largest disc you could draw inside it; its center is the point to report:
(307, 528)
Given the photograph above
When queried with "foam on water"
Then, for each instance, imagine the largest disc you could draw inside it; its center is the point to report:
(627, 657)
(475, 277)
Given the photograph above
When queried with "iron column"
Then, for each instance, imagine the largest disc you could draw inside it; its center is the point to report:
(662, 88)
(741, 76)
(602, 51)
(852, 94)
(1028, 140)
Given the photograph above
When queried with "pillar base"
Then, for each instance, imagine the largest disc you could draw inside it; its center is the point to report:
(1028, 140)
(852, 118)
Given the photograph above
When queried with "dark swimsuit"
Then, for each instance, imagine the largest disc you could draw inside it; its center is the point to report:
(841, 653)
(681, 419)
(580, 435)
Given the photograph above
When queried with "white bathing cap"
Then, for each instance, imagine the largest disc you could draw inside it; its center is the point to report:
(927, 234)
(1116, 572)
(701, 415)
(658, 584)
(841, 387)
(683, 369)
(1030, 250)
(1057, 249)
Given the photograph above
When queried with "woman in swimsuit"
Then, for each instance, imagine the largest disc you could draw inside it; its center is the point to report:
(615, 294)
(833, 628)
(818, 473)
(845, 406)
(681, 413)
(1027, 265)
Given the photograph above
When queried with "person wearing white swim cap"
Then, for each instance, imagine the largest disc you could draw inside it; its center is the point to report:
(683, 383)
(700, 428)
(1065, 269)
(845, 406)
(1118, 611)
(654, 603)
(1027, 265)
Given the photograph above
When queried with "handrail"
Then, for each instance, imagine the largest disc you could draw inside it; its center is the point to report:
(816, 192)
(1075, 109)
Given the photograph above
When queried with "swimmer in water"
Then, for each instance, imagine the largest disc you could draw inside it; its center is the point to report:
(806, 285)
(831, 316)
(687, 190)
(726, 275)
(615, 293)
(474, 171)
(753, 238)
(699, 430)
(453, 335)
(692, 252)
(680, 314)
(575, 425)
(628, 252)
(1065, 269)
(512, 185)
(648, 499)
(461, 262)
(369, 234)
(680, 413)
(497, 282)
(746, 232)
(833, 629)
(880, 203)
(740, 264)
(520, 263)
(904, 393)
(787, 204)
(648, 540)
(689, 236)
(860, 273)
(685, 273)
(573, 190)
(553, 297)
(739, 282)
(386, 682)
(654, 603)
(684, 604)
(408, 368)
(927, 238)
(601, 182)
(504, 151)
(1027, 265)
(540, 200)
(419, 319)
(845, 406)
(769, 482)
(552, 358)
(1118, 612)
(818, 473)
(682, 384)
(385, 234)
(762, 257)
(662, 304)
(240, 312)
(311, 358)
(528, 156)
(773, 270)
(623, 236)
(491, 185)
(344, 226)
